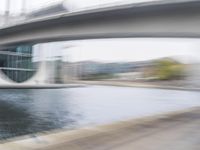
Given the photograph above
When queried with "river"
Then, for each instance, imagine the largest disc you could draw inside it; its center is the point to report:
(32, 110)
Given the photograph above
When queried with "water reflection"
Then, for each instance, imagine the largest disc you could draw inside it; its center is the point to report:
(28, 111)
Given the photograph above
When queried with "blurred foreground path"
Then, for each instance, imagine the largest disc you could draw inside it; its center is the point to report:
(174, 131)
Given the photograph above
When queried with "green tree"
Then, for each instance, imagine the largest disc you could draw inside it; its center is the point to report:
(168, 69)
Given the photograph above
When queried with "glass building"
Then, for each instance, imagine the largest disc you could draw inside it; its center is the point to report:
(16, 62)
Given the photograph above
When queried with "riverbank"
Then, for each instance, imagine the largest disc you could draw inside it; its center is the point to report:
(137, 84)
(40, 86)
(174, 130)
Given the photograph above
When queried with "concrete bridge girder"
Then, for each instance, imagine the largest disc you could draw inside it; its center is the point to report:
(160, 20)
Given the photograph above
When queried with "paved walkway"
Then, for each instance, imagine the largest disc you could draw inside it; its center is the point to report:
(139, 85)
(40, 86)
(174, 131)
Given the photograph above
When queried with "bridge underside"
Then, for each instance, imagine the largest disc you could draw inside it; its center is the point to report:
(158, 20)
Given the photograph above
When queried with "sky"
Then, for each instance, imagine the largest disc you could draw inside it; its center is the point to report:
(72, 4)
(16, 5)
(122, 50)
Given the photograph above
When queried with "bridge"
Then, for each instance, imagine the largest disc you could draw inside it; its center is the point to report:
(174, 18)
(156, 19)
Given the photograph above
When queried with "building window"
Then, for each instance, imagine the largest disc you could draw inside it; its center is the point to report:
(16, 63)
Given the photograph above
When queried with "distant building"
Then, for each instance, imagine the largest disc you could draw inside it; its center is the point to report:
(2, 20)
(8, 20)
(48, 10)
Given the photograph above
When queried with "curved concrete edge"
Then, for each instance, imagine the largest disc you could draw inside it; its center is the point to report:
(40, 80)
(41, 86)
(48, 139)
(41, 75)
(4, 80)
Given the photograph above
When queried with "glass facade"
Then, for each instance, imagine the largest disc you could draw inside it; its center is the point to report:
(16, 62)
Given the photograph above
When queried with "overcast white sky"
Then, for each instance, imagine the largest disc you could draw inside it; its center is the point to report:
(123, 50)
(16, 5)
(74, 4)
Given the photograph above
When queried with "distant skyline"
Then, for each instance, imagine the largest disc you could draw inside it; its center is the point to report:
(122, 50)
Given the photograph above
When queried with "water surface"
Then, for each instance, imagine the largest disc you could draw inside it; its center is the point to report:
(29, 111)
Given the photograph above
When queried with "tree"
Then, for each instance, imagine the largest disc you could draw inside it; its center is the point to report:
(168, 69)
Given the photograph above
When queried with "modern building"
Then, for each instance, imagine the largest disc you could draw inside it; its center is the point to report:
(16, 63)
